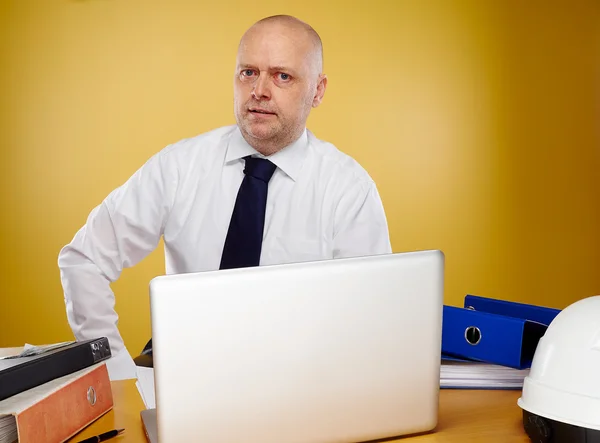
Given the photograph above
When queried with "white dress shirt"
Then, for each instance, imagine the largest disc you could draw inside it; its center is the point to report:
(321, 204)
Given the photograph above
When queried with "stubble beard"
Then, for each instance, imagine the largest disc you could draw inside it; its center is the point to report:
(269, 139)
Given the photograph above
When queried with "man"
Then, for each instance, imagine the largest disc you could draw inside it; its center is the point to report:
(207, 196)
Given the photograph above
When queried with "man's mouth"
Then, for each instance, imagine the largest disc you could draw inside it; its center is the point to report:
(260, 111)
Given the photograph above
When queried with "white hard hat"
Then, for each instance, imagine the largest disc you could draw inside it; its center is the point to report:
(561, 395)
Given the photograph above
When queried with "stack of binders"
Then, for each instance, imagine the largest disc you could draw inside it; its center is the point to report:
(50, 393)
(490, 344)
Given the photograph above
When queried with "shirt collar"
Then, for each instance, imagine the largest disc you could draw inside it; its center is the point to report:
(288, 159)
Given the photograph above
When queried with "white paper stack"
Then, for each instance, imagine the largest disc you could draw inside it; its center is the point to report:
(145, 385)
(8, 429)
(460, 374)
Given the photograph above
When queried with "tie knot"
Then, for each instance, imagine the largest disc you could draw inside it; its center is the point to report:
(259, 168)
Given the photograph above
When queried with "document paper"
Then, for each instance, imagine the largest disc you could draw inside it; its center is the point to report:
(145, 385)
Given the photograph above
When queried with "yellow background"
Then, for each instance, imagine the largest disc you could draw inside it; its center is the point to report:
(478, 120)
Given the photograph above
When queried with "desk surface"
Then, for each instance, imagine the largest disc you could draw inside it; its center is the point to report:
(473, 416)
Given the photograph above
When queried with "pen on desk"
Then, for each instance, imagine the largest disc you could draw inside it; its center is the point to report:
(103, 437)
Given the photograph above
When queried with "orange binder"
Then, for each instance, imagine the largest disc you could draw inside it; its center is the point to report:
(57, 410)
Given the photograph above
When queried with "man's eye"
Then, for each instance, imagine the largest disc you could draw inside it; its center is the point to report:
(284, 76)
(247, 72)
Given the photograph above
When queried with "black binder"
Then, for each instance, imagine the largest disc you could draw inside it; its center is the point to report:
(18, 374)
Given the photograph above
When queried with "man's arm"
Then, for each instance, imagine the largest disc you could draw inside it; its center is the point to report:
(361, 227)
(118, 233)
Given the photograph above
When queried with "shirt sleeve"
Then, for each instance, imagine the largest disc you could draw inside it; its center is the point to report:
(118, 233)
(361, 227)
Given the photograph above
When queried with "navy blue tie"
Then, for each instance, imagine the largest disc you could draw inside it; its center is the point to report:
(243, 243)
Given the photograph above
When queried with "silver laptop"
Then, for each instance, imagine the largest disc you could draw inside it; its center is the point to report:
(343, 350)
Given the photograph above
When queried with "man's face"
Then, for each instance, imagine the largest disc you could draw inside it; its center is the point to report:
(274, 86)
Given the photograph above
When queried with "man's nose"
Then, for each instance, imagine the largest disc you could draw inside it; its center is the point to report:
(262, 88)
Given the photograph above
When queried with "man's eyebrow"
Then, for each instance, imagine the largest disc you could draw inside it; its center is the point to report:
(282, 69)
(243, 66)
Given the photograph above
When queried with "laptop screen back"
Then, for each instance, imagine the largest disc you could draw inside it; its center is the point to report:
(332, 351)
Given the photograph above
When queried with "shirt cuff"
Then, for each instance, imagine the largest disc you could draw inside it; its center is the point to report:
(121, 366)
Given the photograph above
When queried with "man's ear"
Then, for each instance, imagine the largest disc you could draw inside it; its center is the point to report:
(321, 86)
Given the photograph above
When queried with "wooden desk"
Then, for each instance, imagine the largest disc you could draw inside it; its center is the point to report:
(465, 416)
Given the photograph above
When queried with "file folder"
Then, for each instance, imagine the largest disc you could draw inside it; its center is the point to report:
(55, 411)
(18, 374)
(538, 314)
(495, 331)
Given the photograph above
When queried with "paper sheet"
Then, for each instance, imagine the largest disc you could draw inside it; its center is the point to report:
(29, 350)
(8, 429)
(478, 375)
(145, 385)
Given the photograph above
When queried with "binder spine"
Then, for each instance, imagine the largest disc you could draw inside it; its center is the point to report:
(52, 365)
(481, 336)
(523, 311)
(66, 411)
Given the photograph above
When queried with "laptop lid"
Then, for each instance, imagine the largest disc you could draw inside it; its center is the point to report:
(340, 350)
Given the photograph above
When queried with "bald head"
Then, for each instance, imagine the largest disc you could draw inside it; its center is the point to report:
(292, 26)
(278, 79)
